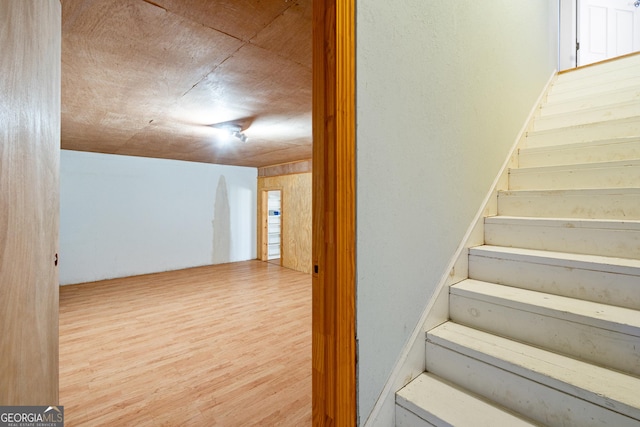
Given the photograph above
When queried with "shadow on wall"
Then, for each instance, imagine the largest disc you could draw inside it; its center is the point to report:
(221, 224)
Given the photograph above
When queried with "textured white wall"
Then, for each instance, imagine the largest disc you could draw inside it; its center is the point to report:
(443, 87)
(122, 216)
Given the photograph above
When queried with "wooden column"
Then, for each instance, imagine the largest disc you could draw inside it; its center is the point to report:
(30, 39)
(334, 343)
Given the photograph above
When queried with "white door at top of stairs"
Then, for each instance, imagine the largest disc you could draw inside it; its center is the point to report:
(607, 28)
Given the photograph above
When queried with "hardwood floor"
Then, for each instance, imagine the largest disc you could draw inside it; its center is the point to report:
(226, 345)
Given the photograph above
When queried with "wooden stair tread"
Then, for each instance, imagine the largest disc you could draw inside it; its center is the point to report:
(618, 110)
(609, 317)
(607, 203)
(612, 174)
(605, 237)
(599, 68)
(594, 85)
(581, 101)
(614, 191)
(578, 166)
(609, 224)
(563, 259)
(605, 129)
(606, 388)
(604, 279)
(578, 145)
(441, 403)
(602, 150)
(626, 120)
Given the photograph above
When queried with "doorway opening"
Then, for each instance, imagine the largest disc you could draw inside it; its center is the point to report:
(607, 29)
(596, 30)
(271, 213)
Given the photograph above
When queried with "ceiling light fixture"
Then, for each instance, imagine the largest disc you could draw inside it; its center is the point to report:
(240, 135)
(232, 129)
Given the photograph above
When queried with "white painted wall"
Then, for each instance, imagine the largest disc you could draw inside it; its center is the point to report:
(443, 87)
(122, 216)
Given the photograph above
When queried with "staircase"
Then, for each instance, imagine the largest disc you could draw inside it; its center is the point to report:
(546, 329)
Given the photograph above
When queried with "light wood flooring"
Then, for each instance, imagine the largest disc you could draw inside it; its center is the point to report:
(226, 345)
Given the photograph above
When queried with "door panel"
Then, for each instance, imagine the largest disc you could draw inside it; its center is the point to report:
(30, 36)
(607, 28)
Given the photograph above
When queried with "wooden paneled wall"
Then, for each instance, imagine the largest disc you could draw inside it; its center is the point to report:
(30, 38)
(296, 216)
(286, 168)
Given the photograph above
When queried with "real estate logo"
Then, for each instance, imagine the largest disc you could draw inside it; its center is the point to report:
(31, 416)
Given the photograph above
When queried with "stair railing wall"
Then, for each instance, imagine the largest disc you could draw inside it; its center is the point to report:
(411, 361)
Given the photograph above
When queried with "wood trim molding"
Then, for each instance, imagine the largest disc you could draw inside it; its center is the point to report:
(334, 341)
(304, 166)
(615, 58)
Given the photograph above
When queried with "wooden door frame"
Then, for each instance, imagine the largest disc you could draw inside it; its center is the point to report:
(334, 283)
(264, 223)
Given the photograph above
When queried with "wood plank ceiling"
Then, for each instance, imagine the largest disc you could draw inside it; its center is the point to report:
(147, 78)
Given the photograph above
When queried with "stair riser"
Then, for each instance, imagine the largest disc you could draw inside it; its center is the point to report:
(588, 153)
(584, 133)
(585, 342)
(603, 78)
(406, 418)
(605, 242)
(606, 177)
(613, 112)
(592, 87)
(585, 73)
(518, 393)
(589, 102)
(567, 204)
(586, 284)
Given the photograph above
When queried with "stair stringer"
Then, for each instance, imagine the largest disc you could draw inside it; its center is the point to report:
(411, 361)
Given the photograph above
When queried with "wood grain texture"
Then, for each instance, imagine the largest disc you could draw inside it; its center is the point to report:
(296, 218)
(148, 77)
(223, 345)
(29, 170)
(286, 168)
(594, 64)
(334, 341)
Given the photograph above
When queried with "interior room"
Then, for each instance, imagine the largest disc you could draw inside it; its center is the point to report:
(175, 116)
(171, 240)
